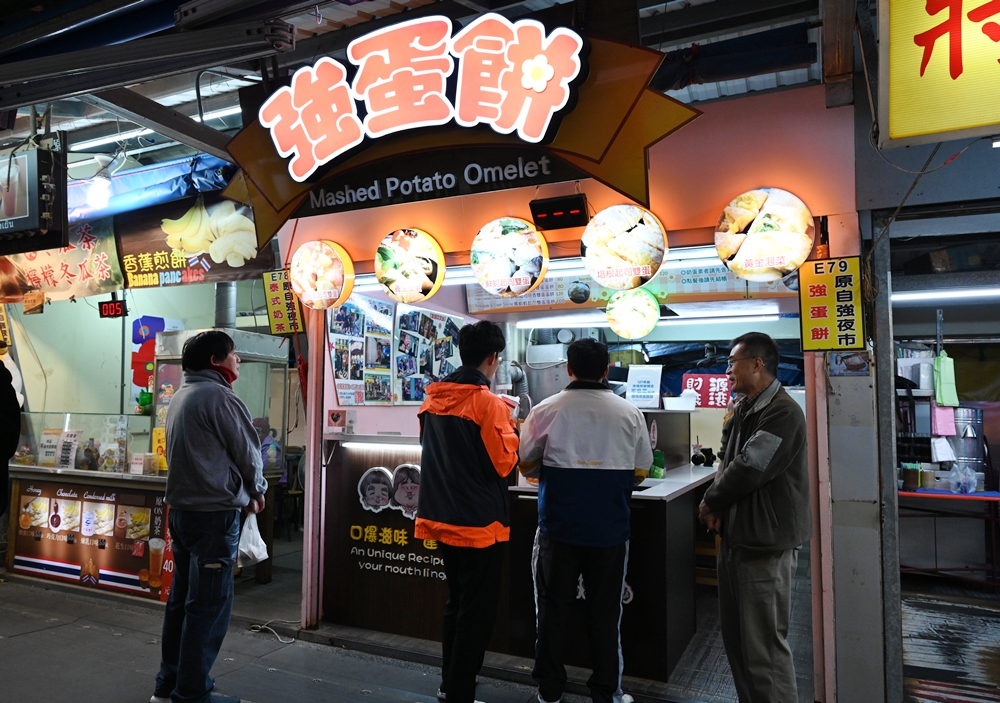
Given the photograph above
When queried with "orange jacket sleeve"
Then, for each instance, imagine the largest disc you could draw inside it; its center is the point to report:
(498, 433)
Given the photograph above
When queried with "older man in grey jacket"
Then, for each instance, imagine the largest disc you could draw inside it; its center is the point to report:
(213, 452)
(760, 503)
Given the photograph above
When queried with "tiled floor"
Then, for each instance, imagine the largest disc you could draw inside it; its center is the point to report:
(282, 598)
(703, 672)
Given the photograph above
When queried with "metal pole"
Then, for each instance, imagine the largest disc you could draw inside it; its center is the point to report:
(885, 398)
(225, 305)
(940, 332)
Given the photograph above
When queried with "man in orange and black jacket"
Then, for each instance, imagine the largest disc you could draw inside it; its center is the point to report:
(469, 447)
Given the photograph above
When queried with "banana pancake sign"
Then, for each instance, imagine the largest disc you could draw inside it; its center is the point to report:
(764, 234)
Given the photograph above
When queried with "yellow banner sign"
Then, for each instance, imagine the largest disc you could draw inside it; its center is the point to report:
(939, 69)
(283, 311)
(5, 327)
(830, 306)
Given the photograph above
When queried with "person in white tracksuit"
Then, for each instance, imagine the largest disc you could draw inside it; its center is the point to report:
(585, 445)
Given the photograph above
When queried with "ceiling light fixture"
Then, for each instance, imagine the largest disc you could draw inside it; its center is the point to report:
(601, 320)
(946, 294)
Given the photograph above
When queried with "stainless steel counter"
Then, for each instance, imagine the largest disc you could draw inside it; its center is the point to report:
(675, 482)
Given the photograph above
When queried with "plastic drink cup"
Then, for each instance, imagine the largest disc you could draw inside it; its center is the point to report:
(10, 189)
(156, 547)
(87, 520)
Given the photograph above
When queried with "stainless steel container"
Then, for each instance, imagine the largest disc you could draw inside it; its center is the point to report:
(968, 440)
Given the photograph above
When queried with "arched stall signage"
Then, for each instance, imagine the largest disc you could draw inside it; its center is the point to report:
(764, 235)
(510, 76)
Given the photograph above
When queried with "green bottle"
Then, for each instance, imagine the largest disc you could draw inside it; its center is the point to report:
(658, 460)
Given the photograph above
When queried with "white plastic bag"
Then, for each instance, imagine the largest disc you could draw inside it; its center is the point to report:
(252, 547)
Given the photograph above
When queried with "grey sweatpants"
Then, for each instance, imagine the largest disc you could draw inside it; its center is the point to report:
(755, 598)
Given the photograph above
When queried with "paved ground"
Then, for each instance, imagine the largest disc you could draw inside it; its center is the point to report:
(70, 648)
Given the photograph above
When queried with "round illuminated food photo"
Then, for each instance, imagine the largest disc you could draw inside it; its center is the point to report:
(633, 313)
(509, 257)
(623, 247)
(410, 266)
(321, 274)
(764, 234)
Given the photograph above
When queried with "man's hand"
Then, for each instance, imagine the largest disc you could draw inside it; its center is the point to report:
(256, 505)
(711, 520)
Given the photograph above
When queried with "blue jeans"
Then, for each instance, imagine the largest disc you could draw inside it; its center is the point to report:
(200, 602)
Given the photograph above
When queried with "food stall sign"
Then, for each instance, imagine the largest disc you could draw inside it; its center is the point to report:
(510, 76)
(322, 274)
(410, 265)
(5, 327)
(712, 389)
(633, 313)
(764, 235)
(509, 257)
(623, 247)
(283, 312)
(830, 305)
(937, 70)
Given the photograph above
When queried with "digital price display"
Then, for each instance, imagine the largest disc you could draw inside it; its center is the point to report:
(112, 308)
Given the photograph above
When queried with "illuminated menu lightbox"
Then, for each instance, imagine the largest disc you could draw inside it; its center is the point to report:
(623, 247)
(410, 265)
(509, 257)
(321, 274)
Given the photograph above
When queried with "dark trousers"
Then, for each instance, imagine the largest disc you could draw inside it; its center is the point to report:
(557, 569)
(755, 603)
(200, 603)
(469, 615)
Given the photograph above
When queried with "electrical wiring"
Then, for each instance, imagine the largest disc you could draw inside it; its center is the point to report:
(872, 141)
(266, 626)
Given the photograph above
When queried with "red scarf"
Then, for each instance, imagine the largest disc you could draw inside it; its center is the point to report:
(226, 372)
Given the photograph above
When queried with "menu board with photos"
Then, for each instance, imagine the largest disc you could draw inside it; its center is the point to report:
(426, 350)
(360, 341)
(94, 536)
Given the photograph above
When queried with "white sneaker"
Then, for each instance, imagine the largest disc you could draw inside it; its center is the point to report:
(626, 698)
(158, 699)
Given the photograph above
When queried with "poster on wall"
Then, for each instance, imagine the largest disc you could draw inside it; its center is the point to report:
(144, 331)
(192, 240)
(101, 538)
(359, 334)
(425, 350)
(399, 490)
(87, 265)
(712, 389)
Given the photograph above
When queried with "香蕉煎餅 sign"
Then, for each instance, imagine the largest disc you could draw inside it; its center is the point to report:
(938, 70)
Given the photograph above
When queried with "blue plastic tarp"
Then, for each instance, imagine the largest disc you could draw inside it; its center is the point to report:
(151, 185)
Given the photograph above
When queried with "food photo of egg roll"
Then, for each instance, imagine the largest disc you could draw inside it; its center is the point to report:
(623, 247)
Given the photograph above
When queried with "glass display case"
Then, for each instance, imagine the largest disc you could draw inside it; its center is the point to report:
(262, 385)
(81, 441)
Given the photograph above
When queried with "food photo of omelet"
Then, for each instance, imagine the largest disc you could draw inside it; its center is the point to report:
(623, 247)
(633, 314)
(410, 265)
(509, 257)
(764, 234)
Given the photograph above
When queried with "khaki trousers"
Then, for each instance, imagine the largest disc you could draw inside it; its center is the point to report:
(755, 589)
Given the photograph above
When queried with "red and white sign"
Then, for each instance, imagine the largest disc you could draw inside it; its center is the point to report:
(511, 76)
(712, 389)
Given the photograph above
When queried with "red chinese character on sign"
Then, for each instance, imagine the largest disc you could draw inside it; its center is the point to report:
(519, 87)
(952, 26)
(402, 75)
(67, 249)
(279, 326)
(48, 275)
(31, 255)
(275, 300)
(87, 239)
(820, 333)
(817, 312)
(33, 278)
(273, 288)
(102, 271)
(817, 290)
(85, 275)
(990, 29)
(64, 272)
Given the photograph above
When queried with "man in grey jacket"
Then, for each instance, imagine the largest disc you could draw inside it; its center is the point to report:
(760, 503)
(213, 454)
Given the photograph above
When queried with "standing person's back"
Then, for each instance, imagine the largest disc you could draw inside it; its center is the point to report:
(585, 445)
(215, 471)
(469, 446)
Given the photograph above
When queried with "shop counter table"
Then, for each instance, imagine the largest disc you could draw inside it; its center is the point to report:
(658, 619)
(97, 529)
(957, 550)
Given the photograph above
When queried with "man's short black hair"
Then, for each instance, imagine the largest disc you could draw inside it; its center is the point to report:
(758, 344)
(476, 342)
(204, 348)
(588, 359)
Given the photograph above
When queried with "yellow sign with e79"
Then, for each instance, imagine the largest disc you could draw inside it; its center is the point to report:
(939, 70)
(830, 307)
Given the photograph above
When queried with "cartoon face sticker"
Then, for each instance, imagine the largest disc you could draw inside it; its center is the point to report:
(406, 489)
(375, 489)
